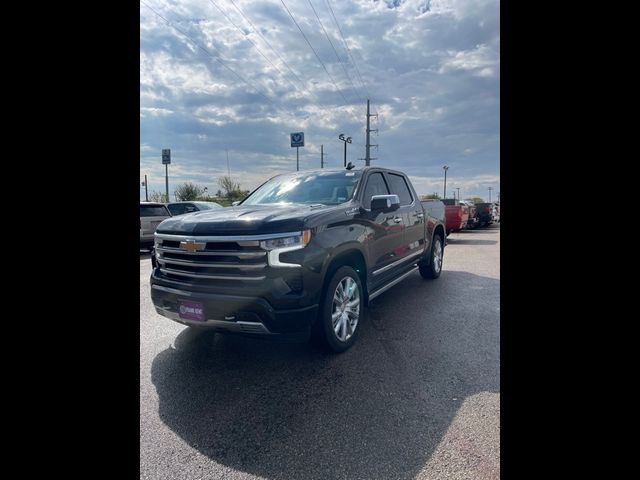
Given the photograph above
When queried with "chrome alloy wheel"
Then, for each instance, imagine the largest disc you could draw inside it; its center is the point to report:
(345, 310)
(437, 255)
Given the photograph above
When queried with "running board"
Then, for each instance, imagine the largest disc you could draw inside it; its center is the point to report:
(392, 283)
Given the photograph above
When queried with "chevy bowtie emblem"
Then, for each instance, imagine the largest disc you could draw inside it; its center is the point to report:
(192, 246)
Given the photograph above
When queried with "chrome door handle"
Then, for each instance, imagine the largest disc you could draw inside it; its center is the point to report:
(419, 215)
(397, 219)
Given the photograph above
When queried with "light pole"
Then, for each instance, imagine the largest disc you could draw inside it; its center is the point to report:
(458, 188)
(345, 140)
(445, 181)
(490, 188)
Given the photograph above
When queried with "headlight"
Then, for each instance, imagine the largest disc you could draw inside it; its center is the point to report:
(276, 246)
(299, 241)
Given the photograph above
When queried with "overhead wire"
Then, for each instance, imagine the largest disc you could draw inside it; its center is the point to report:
(319, 59)
(347, 49)
(219, 60)
(336, 53)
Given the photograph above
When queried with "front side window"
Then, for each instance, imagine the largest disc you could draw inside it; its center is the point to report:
(176, 208)
(375, 186)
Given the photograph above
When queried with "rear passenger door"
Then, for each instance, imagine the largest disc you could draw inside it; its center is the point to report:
(412, 217)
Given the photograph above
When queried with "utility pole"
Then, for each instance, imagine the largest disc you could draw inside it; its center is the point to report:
(490, 188)
(146, 191)
(322, 154)
(368, 146)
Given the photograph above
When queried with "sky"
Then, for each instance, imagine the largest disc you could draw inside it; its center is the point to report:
(237, 77)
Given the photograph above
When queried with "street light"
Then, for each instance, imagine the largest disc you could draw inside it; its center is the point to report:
(490, 188)
(445, 181)
(458, 188)
(345, 140)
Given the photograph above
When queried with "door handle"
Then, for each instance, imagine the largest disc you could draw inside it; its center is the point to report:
(419, 215)
(397, 219)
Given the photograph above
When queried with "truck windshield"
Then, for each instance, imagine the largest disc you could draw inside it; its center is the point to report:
(330, 188)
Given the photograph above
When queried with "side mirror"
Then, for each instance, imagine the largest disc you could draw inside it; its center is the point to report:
(385, 203)
(233, 204)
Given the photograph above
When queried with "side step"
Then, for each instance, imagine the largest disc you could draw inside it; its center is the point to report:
(392, 283)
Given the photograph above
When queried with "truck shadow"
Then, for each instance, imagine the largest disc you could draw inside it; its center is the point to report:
(379, 410)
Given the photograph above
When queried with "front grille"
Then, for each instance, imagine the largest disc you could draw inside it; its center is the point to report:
(224, 261)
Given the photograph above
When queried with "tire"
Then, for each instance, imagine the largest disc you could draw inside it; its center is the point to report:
(348, 314)
(434, 268)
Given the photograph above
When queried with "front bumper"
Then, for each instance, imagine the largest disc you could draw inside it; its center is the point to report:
(236, 314)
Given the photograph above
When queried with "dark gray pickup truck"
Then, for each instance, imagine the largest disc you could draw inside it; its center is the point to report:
(301, 256)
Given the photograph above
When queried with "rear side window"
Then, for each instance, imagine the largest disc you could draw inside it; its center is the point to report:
(375, 186)
(153, 211)
(399, 187)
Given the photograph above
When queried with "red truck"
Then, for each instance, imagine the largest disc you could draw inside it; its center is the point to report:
(456, 215)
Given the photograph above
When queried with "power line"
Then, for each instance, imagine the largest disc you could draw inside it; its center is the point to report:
(268, 44)
(347, 48)
(209, 53)
(318, 57)
(334, 51)
(247, 38)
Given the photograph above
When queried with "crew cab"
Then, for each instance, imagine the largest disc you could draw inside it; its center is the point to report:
(300, 257)
(456, 215)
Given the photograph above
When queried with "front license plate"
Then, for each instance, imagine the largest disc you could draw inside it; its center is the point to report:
(191, 311)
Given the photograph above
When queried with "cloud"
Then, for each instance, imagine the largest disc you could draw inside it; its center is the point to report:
(431, 69)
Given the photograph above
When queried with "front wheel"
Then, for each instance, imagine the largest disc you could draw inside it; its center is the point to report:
(434, 268)
(341, 310)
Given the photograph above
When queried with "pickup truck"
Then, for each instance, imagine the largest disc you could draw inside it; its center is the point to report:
(300, 257)
(474, 218)
(485, 213)
(456, 215)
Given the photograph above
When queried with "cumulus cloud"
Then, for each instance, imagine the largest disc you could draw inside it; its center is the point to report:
(431, 69)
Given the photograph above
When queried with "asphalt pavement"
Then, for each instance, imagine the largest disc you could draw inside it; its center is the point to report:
(417, 396)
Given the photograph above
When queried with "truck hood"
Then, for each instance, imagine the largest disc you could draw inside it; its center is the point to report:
(243, 220)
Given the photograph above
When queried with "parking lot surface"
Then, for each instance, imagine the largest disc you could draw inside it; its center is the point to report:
(417, 396)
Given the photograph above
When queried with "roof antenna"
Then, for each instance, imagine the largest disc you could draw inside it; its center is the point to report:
(350, 166)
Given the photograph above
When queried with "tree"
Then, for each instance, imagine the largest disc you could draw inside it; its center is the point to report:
(475, 199)
(188, 191)
(430, 196)
(158, 197)
(228, 185)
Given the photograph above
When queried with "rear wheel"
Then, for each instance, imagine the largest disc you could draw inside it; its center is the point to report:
(434, 268)
(341, 311)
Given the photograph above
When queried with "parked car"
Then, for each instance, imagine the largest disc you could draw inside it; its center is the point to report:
(474, 217)
(300, 257)
(456, 215)
(180, 208)
(151, 214)
(485, 214)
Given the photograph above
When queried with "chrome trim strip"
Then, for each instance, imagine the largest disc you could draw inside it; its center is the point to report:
(392, 283)
(242, 327)
(241, 266)
(226, 238)
(398, 262)
(212, 277)
(230, 253)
